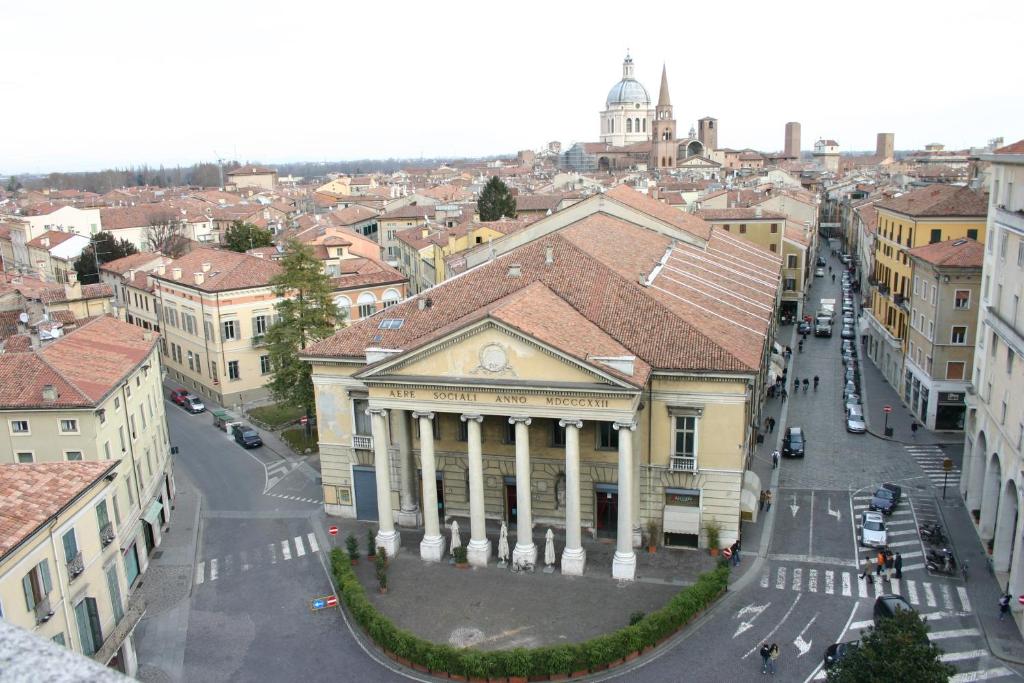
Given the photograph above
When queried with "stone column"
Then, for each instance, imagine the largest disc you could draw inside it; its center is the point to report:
(624, 562)
(408, 507)
(637, 533)
(525, 551)
(574, 557)
(478, 550)
(387, 537)
(432, 545)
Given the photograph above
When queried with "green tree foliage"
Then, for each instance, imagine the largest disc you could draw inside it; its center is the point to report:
(105, 247)
(12, 184)
(897, 649)
(244, 236)
(496, 201)
(306, 314)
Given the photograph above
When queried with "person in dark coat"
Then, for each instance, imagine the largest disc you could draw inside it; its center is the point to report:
(765, 654)
(898, 565)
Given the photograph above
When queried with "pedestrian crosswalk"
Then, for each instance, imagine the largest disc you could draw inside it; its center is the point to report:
(300, 499)
(929, 458)
(214, 568)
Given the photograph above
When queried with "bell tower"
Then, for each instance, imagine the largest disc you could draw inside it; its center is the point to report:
(663, 139)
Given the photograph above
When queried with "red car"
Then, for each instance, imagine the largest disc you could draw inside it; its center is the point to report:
(178, 396)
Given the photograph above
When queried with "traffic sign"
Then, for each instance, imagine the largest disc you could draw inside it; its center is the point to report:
(947, 464)
(726, 553)
(323, 603)
(318, 603)
(303, 420)
(887, 409)
(332, 530)
(1021, 599)
(332, 601)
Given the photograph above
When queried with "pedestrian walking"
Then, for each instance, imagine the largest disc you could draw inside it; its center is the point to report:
(796, 384)
(766, 654)
(767, 501)
(880, 562)
(889, 562)
(760, 501)
(775, 459)
(1004, 606)
(898, 565)
(767, 424)
(771, 425)
(735, 553)
(833, 278)
(913, 429)
(815, 382)
(773, 658)
(800, 346)
(785, 394)
(806, 384)
(866, 574)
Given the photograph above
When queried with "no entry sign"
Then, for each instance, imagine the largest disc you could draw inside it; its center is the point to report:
(323, 603)
(332, 530)
(887, 409)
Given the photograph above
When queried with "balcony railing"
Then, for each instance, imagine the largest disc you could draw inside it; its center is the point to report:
(259, 340)
(76, 566)
(362, 442)
(683, 464)
(883, 289)
(132, 616)
(107, 534)
(899, 300)
(43, 610)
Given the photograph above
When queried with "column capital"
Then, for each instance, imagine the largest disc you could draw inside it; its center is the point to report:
(631, 425)
(471, 418)
(518, 418)
(377, 411)
(570, 422)
(429, 414)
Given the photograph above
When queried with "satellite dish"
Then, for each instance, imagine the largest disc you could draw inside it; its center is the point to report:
(23, 317)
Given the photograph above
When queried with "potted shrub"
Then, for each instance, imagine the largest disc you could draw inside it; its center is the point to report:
(653, 531)
(381, 565)
(461, 560)
(371, 544)
(352, 545)
(712, 531)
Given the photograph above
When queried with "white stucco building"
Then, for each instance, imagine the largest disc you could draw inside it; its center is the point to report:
(628, 113)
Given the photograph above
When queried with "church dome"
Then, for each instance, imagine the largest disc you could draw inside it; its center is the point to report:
(628, 91)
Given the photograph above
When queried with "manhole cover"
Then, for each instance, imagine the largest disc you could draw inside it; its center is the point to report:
(465, 636)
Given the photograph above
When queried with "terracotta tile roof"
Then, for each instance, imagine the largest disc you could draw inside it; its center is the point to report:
(352, 215)
(738, 213)
(250, 170)
(410, 211)
(939, 201)
(18, 343)
(538, 202)
(54, 295)
(55, 236)
(674, 217)
(8, 324)
(228, 270)
(134, 262)
(796, 234)
(35, 493)
(961, 253)
(1013, 148)
(869, 214)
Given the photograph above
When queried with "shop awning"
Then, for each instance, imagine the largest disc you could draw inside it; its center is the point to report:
(152, 514)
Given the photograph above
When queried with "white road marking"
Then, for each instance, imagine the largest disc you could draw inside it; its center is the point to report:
(812, 580)
(313, 547)
(858, 625)
(961, 656)
(753, 609)
(912, 592)
(830, 582)
(286, 552)
(213, 570)
(965, 601)
(894, 586)
(902, 532)
(772, 632)
(951, 614)
(300, 549)
(200, 572)
(956, 633)
(244, 558)
(911, 567)
(780, 578)
(273, 553)
(764, 579)
(862, 587)
(797, 579)
(981, 675)
(901, 544)
(804, 646)
(846, 584)
(879, 586)
(947, 596)
(228, 562)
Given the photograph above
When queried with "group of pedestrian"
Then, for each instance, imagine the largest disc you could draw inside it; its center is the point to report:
(769, 656)
(769, 424)
(884, 561)
(765, 503)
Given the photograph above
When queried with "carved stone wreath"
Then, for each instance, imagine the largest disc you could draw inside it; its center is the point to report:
(493, 360)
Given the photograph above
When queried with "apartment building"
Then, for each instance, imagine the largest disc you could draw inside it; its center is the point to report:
(993, 465)
(62, 576)
(941, 334)
(134, 289)
(216, 306)
(53, 254)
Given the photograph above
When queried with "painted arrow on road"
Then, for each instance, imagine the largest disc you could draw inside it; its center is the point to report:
(835, 513)
(804, 646)
(794, 507)
(753, 609)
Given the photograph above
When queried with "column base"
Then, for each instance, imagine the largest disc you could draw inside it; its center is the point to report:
(574, 561)
(432, 549)
(524, 554)
(624, 566)
(409, 518)
(391, 541)
(478, 552)
(638, 538)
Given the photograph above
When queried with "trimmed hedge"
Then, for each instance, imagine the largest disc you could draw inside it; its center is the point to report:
(595, 654)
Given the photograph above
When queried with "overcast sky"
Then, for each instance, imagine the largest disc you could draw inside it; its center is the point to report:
(88, 85)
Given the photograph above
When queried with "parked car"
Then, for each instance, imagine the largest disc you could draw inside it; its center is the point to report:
(246, 436)
(793, 443)
(193, 404)
(178, 396)
(888, 605)
(848, 320)
(846, 258)
(836, 651)
(848, 332)
(886, 498)
(804, 327)
(851, 399)
(819, 272)
(872, 530)
(821, 262)
(848, 346)
(850, 390)
(851, 376)
(855, 421)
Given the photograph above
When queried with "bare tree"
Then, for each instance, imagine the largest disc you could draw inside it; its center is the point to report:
(166, 234)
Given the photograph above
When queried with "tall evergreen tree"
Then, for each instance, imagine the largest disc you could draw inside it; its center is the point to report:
(306, 314)
(103, 248)
(244, 236)
(496, 201)
(897, 649)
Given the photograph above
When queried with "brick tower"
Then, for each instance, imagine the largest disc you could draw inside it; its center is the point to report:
(663, 135)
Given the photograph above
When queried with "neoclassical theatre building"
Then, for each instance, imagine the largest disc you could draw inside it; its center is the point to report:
(595, 372)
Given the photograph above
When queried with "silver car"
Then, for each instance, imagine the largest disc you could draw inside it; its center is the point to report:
(848, 332)
(872, 530)
(855, 421)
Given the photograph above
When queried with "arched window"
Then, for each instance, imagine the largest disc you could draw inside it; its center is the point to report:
(629, 125)
(670, 161)
(645, 125)
(367, 303)
(344, 305)
(636, 125)
(391, 297)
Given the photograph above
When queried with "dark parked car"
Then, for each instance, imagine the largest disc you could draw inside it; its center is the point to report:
(193, 404)
(886, 498)
(821, 261)
(837, 651)
(848, 332)
(793, 443)
(804, 327)
(848, 346)
(178, 396)
(246, 436)
(888, 605)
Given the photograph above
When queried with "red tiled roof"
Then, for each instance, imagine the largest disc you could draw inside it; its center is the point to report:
(35, 493)
(960, 253)
(1013, 148)
(738, 213)
(251, 170)
(674, 217)
(54, 295)
(228, 270)
(939, 201)
(55, 236)
(133, 262)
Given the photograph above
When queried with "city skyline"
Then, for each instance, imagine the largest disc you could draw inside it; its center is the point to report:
(274, 86)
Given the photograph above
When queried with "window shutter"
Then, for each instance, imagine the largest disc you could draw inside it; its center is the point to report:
(44, 571)
(26, 585)
(70, 547)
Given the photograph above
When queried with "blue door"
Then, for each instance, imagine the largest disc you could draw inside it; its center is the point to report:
(365, 480)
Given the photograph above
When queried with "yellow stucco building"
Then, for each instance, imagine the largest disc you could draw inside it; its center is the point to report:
(601, 374)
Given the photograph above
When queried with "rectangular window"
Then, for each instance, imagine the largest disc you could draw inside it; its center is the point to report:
(190, 361)
(463, 432)
(265, 365)
(936, 236)
(128, 488)
(684, 443)
(131, 424)
(789, 284)
(88, 620)
(233, 369)
(70, 545)
(36, 584)
(773, 248)
(228, 330)
(19, 427)
(1009, 360)
(955, 369)
(607, 436)
(959, 335)
(259, 325)
(366, 310)
(791, 261)
(131, 564)
(213, 369)
(743, 228)
(73, 456)
(114, 587)
(775, 227)
(1020, 253)
(26, 457)
(1004, 240)
(557, 434)
(208, 329)
(962, 299)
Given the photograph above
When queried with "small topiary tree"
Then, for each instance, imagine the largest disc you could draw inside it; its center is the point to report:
(371, 543)
(460, 554)
(352, 545)
(381, 565)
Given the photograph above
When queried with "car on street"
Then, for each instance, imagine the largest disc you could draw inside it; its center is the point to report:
(793, 443)
(888, 605)
(848, 332)
(819, 272)
(804, 327)
(846, 258)
(851, 375)
(886, 498)
(836, 651)
(245, 436)
(823, 328)
(821, 261)
(848, 320)
(178, 396)
(872, 530)
(855, 421)
(850, 390)
(852, 400)
(193, 404)
(848, 346)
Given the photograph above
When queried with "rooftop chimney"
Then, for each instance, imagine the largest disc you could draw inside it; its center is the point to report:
(72, 278)
(161, 269)
(131, 274)
(515, 270)
(549, 255)
(49, 393)
(206, 266)
(757, 212)
(258, 254)
(176, 273)
(199, 277)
